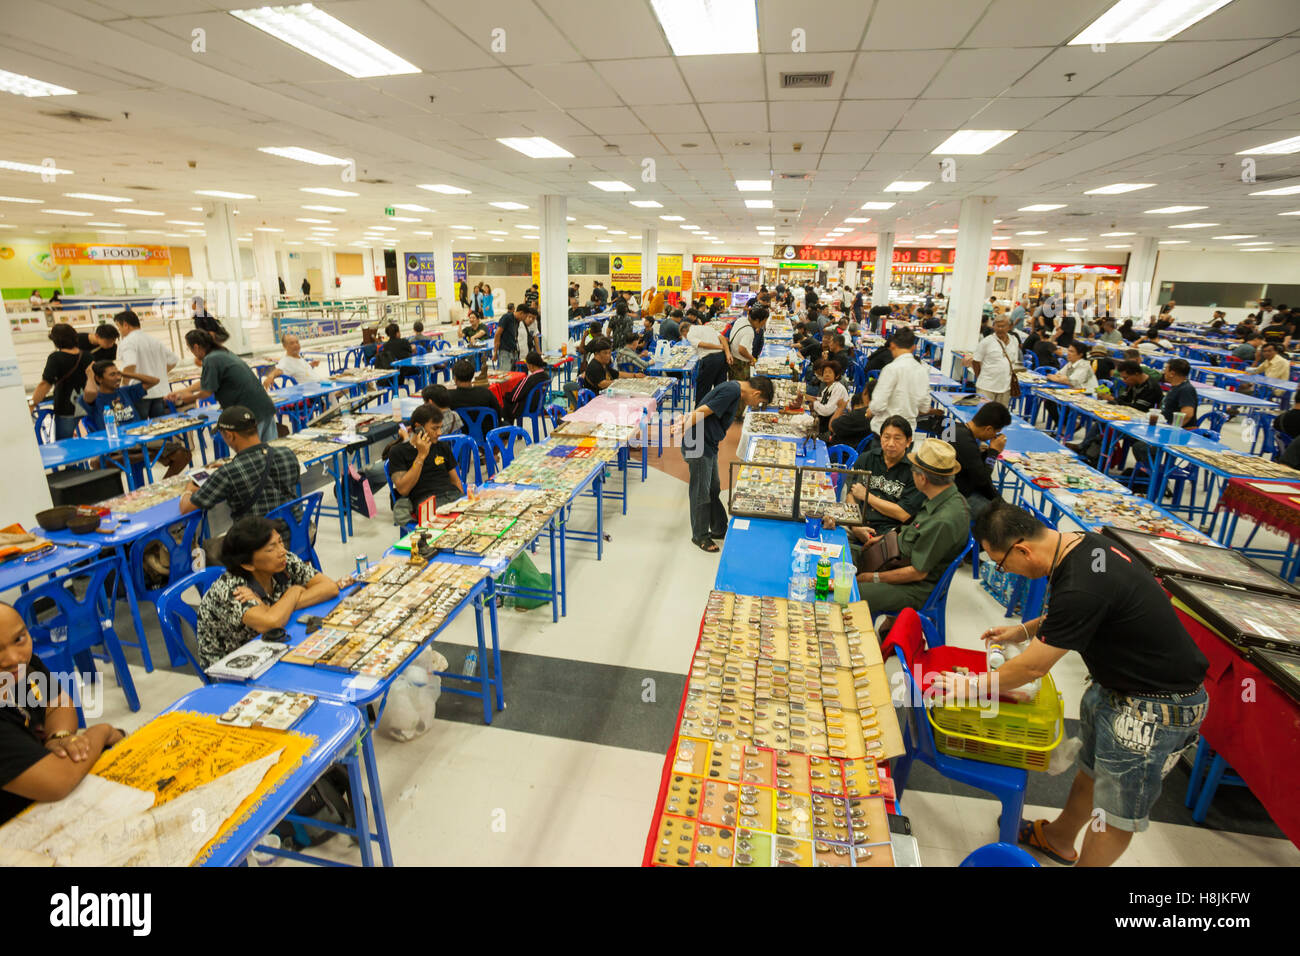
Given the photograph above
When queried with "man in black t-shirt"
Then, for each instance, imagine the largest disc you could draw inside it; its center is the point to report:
(1146, 701)
(468, 395)
(43, 755)
(855, 424)
(422, 467)
(977, 446)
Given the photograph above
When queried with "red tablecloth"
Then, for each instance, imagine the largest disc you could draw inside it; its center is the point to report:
(502, 389)
(1258, 736)
(1279, 511)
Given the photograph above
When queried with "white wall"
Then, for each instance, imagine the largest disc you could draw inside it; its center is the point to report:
(1256, 267)
(26, 491)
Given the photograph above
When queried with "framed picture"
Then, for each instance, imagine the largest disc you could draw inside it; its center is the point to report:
(1000, 284)
(1166, 556)
(1284, 669)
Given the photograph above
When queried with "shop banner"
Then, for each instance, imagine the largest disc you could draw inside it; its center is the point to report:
(810, 266)
(867, 254)
(420, 275)
(459, 267)
(537, 269)
(105, 254)
(1054, 268)
(737, 260)
(625, 269)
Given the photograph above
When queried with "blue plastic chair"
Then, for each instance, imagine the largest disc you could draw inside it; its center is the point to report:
(88, 620)
(534, 410)
(999, 854)
(858, 377)
(281, 380)
(501, 441)
(1209, 771)
(584, 396)
(479, 420)
(866, 443)
(1033, 590)
(178, 539)
(1047, 370)
(842, 456)
(301, 515)
(935, 609)
(173, 611)
(1005, 783)
(440, 344)
(462, 446)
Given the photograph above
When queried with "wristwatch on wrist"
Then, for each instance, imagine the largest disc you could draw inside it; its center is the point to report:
(875, 577)
(59, 735)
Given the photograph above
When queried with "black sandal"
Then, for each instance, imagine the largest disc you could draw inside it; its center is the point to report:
(706, 544)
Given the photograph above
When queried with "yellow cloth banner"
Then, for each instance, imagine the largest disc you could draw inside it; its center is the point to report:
(107, 254)
(625, 269)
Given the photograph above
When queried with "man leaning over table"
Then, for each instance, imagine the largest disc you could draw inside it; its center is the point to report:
(137, 351)
(1146, 700)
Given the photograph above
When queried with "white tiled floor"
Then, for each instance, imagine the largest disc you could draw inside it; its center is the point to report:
(450, 792)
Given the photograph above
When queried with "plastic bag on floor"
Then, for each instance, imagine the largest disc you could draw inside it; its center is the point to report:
(414, 697)
(1062, 758)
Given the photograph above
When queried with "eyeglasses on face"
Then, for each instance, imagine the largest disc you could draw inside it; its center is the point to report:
(1003, 560)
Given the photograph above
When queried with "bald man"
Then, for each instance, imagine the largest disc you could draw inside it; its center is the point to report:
(43, 755)
(293, 364)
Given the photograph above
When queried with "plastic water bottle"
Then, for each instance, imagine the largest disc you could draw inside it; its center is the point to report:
(800, 566)
(470, 667)
(997, 656)
(110, 424)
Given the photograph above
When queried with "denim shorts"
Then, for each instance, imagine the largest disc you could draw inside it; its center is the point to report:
(1129, 745)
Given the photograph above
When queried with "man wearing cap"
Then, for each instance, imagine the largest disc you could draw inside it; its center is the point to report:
(258, 479)
(994, 361)
(930, 541)
(1103, 364)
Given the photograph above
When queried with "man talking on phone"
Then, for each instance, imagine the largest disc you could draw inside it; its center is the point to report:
(421, 467)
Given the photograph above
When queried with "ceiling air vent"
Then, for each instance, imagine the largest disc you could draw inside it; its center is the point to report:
(806, 81)
(794, 176)
(74, 116)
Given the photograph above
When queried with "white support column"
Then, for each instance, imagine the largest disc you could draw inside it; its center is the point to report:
(224, 293)
(26, 490)
(266, 263)
(1138, 300)
(328, 272)
(444, 274)
(970, 276)
(688, 265)
(553, 268)
(649, 261)
(884, 268)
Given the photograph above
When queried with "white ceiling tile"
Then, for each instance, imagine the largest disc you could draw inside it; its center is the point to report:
(913, 141)
(608, 120)
(548, 123)
(1172, 65)
(897, 24)
(941, 114)
(1026, 23)
(607, 31)
(816, 115)
(860, 142)
(492, 90)
(721, 79)
(842, 161)
(810, 141)
(669, 120)
(983, 72)
(735, 117)
(509, 31)
(870, 114)
(1015, 112)
(1088, 112)
(1247, 18)
(569, 85)
(837, 25)
(1075, 70)
(645, 81)
(882, 74)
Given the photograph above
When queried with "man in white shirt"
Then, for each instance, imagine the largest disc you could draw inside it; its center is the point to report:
(741, 340)
(145, 355)
(293, 364)
(994, 362)
(904, 384)
(712, 349)
(1273, 364)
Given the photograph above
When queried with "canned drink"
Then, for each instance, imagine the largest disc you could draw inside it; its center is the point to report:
(362, 562)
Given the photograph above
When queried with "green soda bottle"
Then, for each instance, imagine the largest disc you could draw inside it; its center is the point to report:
(822, 585)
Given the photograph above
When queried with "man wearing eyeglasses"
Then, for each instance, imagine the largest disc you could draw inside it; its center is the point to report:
(1146, 701)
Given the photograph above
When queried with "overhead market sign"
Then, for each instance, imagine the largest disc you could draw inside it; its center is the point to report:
(867, 254)
(1055, 268)
(101, 254)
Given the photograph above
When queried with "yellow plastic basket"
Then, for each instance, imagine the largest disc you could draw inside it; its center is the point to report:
(1021, 735)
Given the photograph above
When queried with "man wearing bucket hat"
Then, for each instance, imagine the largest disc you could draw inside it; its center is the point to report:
(930, 541)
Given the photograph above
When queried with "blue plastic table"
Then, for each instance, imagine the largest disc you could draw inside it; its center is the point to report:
(434, 359)
(17, 572)
(1157, 438)
(75, 450)
(336, 728)
(756, 556)
(682, 398)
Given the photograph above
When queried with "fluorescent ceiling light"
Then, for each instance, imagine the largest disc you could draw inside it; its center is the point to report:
(1120, 246)
(183, 222)
(222, 194)
(107, 232)
(1001, 238)
(41, 202)
(708, 27)
(1247, 235)
(946, 232)
(530, 228)
(1042, 207)
(857, 219)
(325, 208)
(1294, 212)
(1256, 250)
(926, 235)
(1173, 242)
(462, 227)
(531, 237)
(618, 232)
(1260, 243)
(593, 227)
(672, 218)
(502, 240)
(1170, 210)
(878, 205)
(318, 190)
(535, 147)
(302, 155)
(331, 229)
(1282, 147)
(1076, 250)
(444, 189)
(1074, 239)
(508, 205)
(312, 220)
(32, 168)
(382, 229)
(570, 219)
(497, 232)
(611, 185)
(647, 204)
(972, 142)
(1027, 244)
(329, 40)
(96, 197)
(767, 228)
(266, 229)
(604, 240)
(758, 204)
(691, 228)
(905, 242)
(754, 185)
(1033, 232)
(402, 219)
(159, 232)
(411, 207)
(905, 186)
(1109, 235)
(1145, 21)
(111, 224)
(139, 212)
(27, 86)
(1193, 225)
(1114, 189)
(1283, 191)
(418, 232)
(196, 209)
(67, 212)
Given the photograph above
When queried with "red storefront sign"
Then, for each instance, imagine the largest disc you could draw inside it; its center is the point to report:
(1055, 268)
(867, 254)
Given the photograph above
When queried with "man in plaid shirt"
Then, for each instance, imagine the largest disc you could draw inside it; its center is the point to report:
(258, 479)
